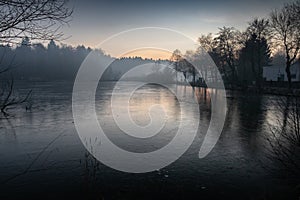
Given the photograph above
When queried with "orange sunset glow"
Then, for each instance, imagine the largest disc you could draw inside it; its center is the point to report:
(155, 54)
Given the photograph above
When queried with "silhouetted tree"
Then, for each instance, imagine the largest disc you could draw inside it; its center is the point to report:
(254, 56)
(176, 58)
(39, 19)
(259, 27)
(8, 98)
(188, 67)
(210, 45)
(228, 45)
(207, 42)
(285, 25)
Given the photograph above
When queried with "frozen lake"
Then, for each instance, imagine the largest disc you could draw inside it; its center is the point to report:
(41, 153)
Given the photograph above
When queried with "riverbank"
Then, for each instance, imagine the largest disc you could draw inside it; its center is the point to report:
(273, 90)
(281, 91)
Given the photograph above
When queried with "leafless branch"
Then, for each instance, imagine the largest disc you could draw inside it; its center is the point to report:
(36, 19)
(9, 99)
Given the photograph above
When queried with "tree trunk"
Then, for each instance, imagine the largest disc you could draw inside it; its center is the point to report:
(194, 76)
(288, 73)
(259, 75)
(259, 81)
(176, 68)
(233, 77)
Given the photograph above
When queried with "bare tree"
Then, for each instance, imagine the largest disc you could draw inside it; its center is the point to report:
(190, 56)
(285, 25)
(176, 59)
(228, 45)
(259, 27)
(207, 42)
(38, 19)
(8, 98)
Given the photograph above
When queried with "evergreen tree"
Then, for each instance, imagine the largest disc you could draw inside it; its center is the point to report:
(254, 55)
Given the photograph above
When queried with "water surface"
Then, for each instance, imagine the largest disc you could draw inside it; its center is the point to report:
(42, 156)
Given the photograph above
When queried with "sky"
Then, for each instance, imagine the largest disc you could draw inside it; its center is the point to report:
(96, 20)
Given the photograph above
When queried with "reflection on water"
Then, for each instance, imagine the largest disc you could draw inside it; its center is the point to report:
(40, 151)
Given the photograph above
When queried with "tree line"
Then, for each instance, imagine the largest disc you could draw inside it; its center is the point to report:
(241, 55)
(37, 62)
